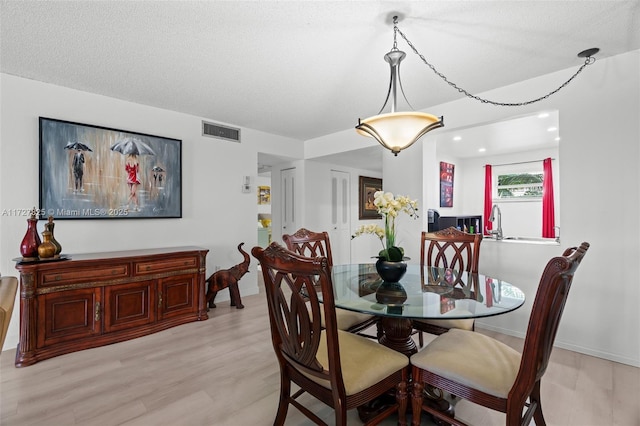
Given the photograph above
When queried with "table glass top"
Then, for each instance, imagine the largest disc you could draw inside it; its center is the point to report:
(423, 292)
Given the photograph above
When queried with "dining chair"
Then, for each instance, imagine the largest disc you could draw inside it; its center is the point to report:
(311, 244)
(8, 290)
(458, 251)
(487, 372)
(341, 369)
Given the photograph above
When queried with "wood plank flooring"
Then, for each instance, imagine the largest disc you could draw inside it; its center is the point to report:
(223, 372)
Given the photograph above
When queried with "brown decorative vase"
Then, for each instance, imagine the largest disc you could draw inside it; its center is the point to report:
(31, 240)
(47, 249)
(49, 227)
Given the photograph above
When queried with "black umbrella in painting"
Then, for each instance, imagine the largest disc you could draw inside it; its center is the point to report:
(132, 146)
(78, 146)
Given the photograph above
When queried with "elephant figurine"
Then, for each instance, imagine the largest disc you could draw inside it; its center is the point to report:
(228, 278)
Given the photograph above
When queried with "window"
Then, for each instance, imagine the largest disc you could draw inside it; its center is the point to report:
(519, 186)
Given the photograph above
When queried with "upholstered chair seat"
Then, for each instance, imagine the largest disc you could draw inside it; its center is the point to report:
(364, 362)
(463, 324)
(485, 363)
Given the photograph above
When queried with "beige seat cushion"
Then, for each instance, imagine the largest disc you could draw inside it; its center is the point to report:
(8, 289)
(463, 324)
(345, 318)
(472, 359)
(364, 361)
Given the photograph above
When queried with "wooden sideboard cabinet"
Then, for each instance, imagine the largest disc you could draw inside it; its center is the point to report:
(96, 299)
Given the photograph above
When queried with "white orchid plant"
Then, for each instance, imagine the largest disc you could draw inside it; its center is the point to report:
(389, 206)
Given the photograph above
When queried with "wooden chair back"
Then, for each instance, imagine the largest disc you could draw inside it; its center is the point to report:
(307, 348)
(455, 254)
(546, 312)
(520, 383)
(451, 248)
(291, 283)
(309, 244)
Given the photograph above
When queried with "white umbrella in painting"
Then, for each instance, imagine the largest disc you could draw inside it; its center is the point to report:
(132, 146)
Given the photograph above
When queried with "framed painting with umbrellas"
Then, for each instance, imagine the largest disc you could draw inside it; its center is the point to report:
(93, 172)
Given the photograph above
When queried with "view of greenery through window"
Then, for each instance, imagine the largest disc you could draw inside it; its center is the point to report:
(520, 185)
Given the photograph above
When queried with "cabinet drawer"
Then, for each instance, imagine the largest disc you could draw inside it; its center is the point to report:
(66, 276)
(173, 264)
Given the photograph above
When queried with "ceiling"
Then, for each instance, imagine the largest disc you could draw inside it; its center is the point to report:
(301, 69)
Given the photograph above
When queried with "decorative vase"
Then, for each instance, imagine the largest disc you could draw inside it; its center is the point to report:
(31, 240)
(391, 293)
(389, 271)
(47, 249)
(49, 227)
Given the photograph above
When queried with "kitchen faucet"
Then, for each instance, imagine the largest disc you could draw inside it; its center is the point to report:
(492, 218)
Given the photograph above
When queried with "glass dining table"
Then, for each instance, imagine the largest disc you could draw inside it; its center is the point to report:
(422, 293)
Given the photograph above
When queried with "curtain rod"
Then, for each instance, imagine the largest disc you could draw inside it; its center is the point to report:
(521, 162)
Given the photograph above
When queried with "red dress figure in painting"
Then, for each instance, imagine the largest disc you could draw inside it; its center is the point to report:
(133, 180)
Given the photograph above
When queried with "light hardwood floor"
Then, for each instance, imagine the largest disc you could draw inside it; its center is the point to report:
(223, 372)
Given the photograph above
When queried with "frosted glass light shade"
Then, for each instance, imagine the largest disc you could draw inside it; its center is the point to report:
(398, 130)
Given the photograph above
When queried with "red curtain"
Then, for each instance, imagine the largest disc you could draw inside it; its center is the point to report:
(488, 199)
(548, 215)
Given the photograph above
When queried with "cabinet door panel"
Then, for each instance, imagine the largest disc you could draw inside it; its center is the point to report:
(129, 305)
(68, 315)
(176, 296)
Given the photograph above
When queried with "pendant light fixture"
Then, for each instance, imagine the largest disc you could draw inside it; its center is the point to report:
(397, 130)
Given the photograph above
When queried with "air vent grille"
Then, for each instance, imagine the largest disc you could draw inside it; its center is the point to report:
(220, 132)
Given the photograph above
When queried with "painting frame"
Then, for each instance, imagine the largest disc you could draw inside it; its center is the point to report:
(88, 171)
(446, 184)
(367, 186)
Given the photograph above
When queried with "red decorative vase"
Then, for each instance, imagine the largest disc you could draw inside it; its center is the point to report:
(31, 240)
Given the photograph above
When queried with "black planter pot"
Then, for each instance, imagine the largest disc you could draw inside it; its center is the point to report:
(391, 272)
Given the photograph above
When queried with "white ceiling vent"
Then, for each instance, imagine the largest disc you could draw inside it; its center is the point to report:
(221, 132)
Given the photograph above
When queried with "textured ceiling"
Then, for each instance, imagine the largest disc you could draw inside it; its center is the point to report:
(300, 69)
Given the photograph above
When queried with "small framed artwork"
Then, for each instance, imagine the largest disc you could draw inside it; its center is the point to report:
(264, 195)
(93, 172)
(446, 184)
(368, 186)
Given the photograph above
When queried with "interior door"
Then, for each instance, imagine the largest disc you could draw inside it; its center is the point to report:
(339, 233)
(288, 201)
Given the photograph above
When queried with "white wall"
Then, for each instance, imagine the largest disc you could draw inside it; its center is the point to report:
(599, 187)
(216, 214)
